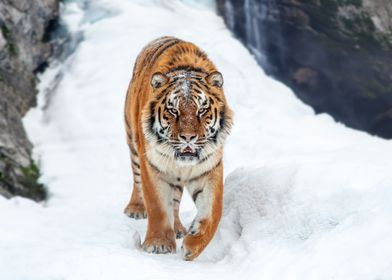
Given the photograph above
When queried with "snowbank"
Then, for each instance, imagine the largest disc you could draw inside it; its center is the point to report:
(309, 221)
(309, 198)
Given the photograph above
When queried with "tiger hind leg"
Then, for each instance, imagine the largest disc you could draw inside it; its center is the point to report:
(136, 208)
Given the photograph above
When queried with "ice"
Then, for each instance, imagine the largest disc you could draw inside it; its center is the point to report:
(305, 197)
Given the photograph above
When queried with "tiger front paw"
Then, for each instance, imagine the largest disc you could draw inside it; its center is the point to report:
(195, 241)
(158, 245)
(192, 247)
(136, 211)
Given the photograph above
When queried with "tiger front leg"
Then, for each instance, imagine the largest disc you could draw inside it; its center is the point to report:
(179, 229)
(207, 195)
(158, 197)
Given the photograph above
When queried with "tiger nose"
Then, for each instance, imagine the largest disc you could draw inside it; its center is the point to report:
(188, 137)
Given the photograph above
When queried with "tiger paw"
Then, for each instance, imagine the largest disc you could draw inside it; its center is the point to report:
(136, 211)
(192, 247)
(159, 245)
(179, 229)
(195, 241)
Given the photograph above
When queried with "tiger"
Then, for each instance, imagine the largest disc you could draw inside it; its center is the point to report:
(177, 120)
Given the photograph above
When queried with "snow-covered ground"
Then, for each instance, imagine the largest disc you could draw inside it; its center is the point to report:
(305, 197)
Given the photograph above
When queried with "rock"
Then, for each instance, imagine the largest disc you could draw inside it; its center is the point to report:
(336, 55)
(25, 48)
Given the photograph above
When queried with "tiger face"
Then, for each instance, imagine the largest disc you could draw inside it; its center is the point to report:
(187, 119)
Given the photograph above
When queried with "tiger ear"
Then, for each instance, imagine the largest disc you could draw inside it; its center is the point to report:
(158, 79)
(215, 79)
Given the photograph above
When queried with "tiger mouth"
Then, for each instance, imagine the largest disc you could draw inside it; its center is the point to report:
(187, 153)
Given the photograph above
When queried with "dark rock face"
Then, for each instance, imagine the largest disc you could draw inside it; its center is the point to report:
(336, 55)
(25, 48)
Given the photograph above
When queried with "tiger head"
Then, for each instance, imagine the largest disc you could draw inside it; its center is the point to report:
(188, 118)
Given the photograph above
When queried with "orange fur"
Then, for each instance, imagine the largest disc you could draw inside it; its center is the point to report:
(158, 183)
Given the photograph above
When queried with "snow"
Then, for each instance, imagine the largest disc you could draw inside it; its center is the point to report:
(305, 197)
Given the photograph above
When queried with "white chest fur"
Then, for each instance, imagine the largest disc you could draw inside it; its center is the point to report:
(175, 172)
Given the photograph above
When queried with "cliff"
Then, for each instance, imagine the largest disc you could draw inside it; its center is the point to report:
(336, 55)
(25, 48)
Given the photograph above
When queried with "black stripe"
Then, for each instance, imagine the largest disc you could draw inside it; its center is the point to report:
(187, 68)
(136, 174)
(133, 150)
(152, 116)
(166, 46)
(136, 164)
(216, 116)
(126, 122)
(129, 135)
(198, 87)
(203, 84)
(159, 117)
(176, 200)
(196, 79)
(167, 182)
(179, 188)
(222, 120)
(196, 194)
(216, 96)
(165, 92)
(175, 186)
(205, 173)
(154, 167)
(151, 52)
(206, 158)
(200, 54)
(172, 61)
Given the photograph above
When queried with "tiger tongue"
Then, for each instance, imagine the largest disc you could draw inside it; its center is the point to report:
(188, 150)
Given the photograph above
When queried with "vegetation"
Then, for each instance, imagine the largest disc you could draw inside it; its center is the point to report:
(7, 34)
(13, 174)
